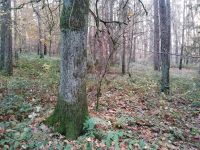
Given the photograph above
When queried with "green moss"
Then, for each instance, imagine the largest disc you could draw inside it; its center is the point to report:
(74, 15)
(68, 117)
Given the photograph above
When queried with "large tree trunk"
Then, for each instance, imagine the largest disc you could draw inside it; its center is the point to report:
(71, 110)
(6, 38)
(156, 36)
(165, 46)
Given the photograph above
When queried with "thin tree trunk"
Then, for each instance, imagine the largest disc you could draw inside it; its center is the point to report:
(130, 49)
(15, 47)
(39, 21)
(50, 43)
(124, 54)
(111, 26)
(183, 38)
(176, 42)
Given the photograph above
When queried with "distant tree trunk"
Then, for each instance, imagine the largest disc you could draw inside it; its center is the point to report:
(71, 110)
(183, 38)
(144, 39)
(39, 21)
(45, 45)
(199, 60)
(156, 36)
(124, 54)
(176, 43)
(130, 48)
(45, 49)
(111, 26)
(15, 47)
(134, 49)
(6, 38)
(50, 43)
(165, 47)
(134, 38)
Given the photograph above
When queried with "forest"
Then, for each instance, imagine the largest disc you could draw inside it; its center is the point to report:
(99, 74)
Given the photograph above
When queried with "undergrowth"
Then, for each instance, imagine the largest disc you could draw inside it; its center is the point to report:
(133, 113)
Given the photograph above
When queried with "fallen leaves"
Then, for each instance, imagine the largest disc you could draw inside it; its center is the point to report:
(132, 106)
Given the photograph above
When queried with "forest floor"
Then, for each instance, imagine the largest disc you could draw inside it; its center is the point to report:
(132, 113)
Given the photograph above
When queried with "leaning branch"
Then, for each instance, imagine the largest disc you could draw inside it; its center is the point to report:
(143, 7)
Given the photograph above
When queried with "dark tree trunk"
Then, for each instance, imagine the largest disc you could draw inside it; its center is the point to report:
(156, 36)
(1, 42)
(50, 45)
(111, 26)
(6, 38)
(71, 110)
(124, 55)
(45, 49)
(124, 19)
(165, 47)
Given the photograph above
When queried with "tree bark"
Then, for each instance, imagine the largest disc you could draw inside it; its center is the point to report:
(39, 21)
(124, 54)
(183, 38)
(6, 38)
(124, 18)
(156, 36)
(15, 47)
(1, 42)
(71, 110)
(165, 47)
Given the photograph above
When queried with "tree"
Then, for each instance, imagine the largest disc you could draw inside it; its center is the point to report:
(71, 110)
(6, 38)
(165, 46)
(156, 36)
(15, 30)
(39, 21)
(1, 49)
(183, 38)
(124, 18)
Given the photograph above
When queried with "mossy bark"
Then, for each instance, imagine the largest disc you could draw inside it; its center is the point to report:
(71, 110)
(68, 117)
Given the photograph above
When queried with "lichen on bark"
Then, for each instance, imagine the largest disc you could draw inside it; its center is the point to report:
(71, 110)
(74, 14)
